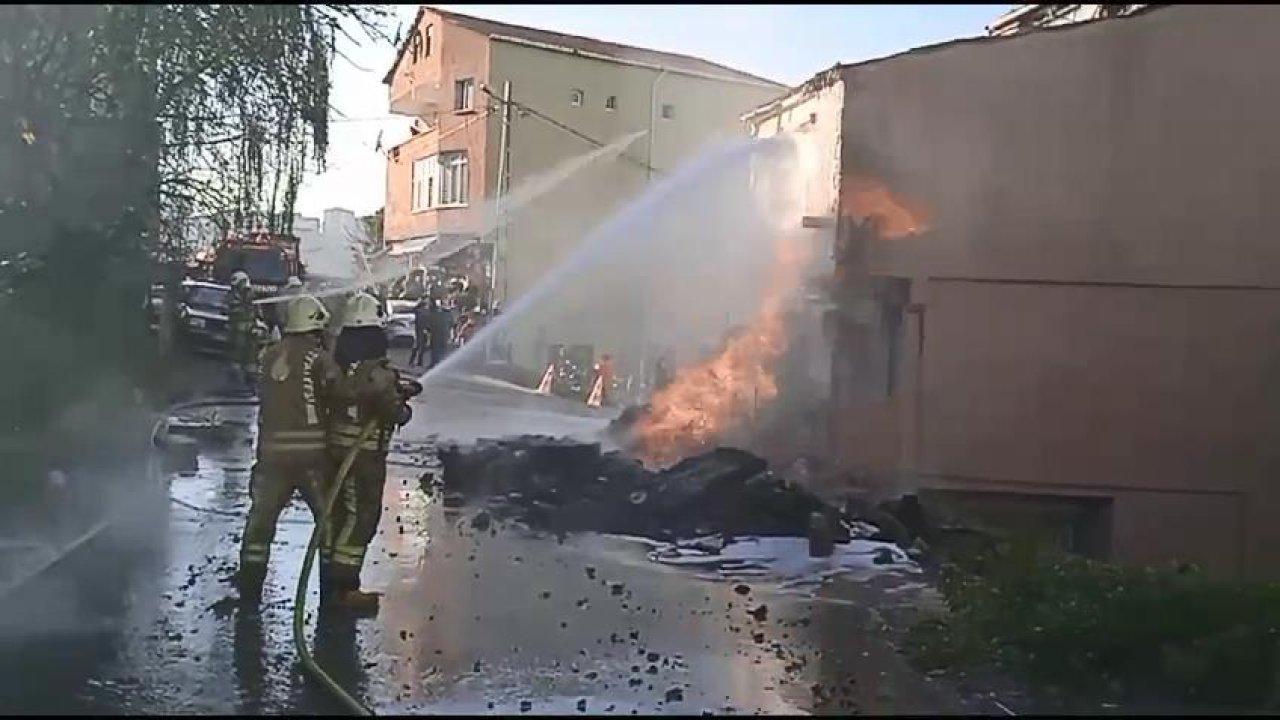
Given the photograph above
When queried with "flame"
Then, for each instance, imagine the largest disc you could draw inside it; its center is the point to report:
(718, 394)
(894, 215)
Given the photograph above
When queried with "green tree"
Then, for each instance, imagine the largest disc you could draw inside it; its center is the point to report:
(118, 122)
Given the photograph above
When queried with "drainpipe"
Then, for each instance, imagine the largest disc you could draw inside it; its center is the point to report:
(500, 232)
(653, 111)
(648, 178)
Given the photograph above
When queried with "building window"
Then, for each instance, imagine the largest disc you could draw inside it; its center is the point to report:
(576, 98)
(455, 176)
(424, 185)
(426, 41)
(463, 94)
(668, 111)
(611, 103)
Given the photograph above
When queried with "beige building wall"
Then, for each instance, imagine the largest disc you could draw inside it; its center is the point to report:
(1098, 294)
(545, 233)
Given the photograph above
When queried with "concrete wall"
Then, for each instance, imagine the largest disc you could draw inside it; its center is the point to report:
(1095, 318)
(1134, 150)
(545, 233)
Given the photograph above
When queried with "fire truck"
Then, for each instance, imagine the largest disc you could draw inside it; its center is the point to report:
(268, 258)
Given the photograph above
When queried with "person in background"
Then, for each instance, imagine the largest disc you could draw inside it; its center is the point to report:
(421, 330)
(466, 328)
(440, 326)
(242, 315)
(279, 312)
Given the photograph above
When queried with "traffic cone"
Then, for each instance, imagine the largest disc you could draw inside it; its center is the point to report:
(597, 392)
(544, 387)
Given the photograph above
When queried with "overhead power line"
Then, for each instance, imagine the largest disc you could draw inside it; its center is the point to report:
(576, 133)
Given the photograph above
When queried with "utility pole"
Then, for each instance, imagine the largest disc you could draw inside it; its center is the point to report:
(648, 179)
(500, 233)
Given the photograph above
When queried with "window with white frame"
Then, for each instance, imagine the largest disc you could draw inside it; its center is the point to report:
(576, 98)
(424, 183)
(455, 175)
(611, 103)
(464, 94)
(440, 180)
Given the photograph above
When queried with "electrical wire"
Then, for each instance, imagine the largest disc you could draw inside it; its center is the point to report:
(576, 133)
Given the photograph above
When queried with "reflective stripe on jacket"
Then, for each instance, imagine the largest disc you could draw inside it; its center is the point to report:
(364, 391)
(296, 375)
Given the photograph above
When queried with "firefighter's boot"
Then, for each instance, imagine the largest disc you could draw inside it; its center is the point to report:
(248, 582)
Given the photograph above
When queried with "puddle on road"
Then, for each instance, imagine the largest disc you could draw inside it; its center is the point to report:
(781, 564)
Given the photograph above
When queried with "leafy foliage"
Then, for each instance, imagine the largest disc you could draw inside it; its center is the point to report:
(117, 124)
(1099, 627)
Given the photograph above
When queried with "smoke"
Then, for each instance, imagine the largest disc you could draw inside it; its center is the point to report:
(670, 273)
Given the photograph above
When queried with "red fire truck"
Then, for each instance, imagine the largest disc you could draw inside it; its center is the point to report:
(268, 258)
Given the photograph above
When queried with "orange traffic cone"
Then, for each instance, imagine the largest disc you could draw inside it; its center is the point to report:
(597, 392)
(544, 387)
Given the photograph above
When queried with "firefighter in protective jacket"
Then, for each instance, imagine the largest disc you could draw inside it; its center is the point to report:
(298, 372)
(367, 390)
(242, 315)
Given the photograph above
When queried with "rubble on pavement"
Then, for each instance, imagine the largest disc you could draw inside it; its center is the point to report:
(566, 486)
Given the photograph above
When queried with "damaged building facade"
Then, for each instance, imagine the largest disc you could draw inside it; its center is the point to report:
(1057, 280)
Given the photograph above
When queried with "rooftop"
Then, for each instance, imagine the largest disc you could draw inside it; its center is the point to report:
(826, 77)
(628, 53)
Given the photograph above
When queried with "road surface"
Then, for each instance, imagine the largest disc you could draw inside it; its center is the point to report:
(500, 621)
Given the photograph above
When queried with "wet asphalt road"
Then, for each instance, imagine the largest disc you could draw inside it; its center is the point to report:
(500, 621)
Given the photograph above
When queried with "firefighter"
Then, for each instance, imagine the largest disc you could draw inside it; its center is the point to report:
(291, 436)
(241, 317)
(279, 312)
(367, 389)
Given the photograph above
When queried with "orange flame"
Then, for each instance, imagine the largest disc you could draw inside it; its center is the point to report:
(709, 398)
(894, 215)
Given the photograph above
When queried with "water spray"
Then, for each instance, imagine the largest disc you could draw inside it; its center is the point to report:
(526, 193)
(599, 241)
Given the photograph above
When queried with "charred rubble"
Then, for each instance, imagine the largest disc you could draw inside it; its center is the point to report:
(564, 486)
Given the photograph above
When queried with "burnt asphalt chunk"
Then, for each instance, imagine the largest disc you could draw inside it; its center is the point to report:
(567, 486)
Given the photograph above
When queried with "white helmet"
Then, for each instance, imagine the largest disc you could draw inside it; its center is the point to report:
(364, 310)
(305, 314)
(239, 277)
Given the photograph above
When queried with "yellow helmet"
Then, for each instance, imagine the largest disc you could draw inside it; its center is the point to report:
(364, 310)
(305, 314)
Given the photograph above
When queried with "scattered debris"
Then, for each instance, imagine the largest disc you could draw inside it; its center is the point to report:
(566, 486)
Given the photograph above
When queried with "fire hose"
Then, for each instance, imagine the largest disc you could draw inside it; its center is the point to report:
(299, 628)
(300, 598)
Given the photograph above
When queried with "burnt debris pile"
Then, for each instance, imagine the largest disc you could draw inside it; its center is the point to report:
(565, 486)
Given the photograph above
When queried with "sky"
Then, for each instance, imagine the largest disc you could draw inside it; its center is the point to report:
(786, 43)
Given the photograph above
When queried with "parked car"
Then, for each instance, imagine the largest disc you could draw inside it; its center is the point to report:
(202, 317)
(400, 323)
